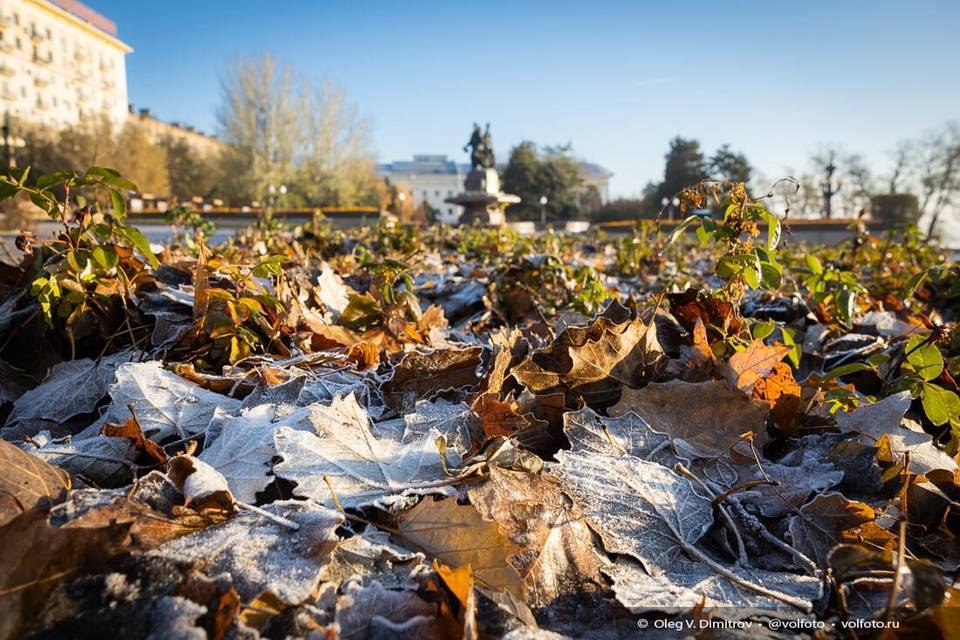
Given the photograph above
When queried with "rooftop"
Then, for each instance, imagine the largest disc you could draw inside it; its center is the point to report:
(88, 15)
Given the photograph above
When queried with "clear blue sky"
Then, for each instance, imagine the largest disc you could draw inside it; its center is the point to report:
(617, 79)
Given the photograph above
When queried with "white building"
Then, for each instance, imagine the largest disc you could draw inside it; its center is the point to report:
(60, 62)
(430, 179)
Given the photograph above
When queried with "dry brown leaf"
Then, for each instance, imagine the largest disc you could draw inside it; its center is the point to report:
(202, 486)
(557, 554)
(594, 361)
(458, 536)
(35, 557)
(131, 431)
(745, 368)
(27, 482)
(702, 352)
(821, 524)
(498, 418)
(709, 417)
(420, 376)
(781, 391)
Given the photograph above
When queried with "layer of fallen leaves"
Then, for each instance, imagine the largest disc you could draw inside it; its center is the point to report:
(371, 434)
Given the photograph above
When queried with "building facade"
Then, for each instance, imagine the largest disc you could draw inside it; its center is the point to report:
(199, 142)
(430, 179)
(60, 63)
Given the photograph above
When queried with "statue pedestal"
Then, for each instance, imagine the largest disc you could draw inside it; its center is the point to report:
(482, 200)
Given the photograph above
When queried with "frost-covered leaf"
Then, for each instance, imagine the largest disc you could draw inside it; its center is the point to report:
(639, 508)
(709, 417)
(263, 555)
(557, 555)
(819, 525)
(175, 618)
(165, 404)
(886, 418)
(594, 361)
(644, 510)
(628, 434)
(362, 469)
(201, 485)
(422, 375)
(689, 583)
(103, 460)
(332, 292)
(72, 388)
(374, 612)
(454, 421)
(242, 448)
(796, 483)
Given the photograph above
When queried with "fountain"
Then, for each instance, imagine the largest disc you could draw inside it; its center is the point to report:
(481, 199)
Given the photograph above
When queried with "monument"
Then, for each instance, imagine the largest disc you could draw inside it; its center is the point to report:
(482, 200)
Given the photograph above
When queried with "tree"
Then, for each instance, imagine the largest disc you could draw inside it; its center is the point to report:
(140, 160)
(552, 172)
(726, 164)
(192, 173)
(938, 173)
(685, 165)
(281, 129)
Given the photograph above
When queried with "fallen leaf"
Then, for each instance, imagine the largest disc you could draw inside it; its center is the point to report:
(132, 432)
(202, 486)
(458, 535)
(261, 554)
(27, 482)
(165, 404)
(781, 392)
(558, 556)
(885, 418)
(35, 557)
(72, 388)
(594, 361)
(708, 417)
(745, 368)
(420, 376)
(374, 612)
(361, 469)
(820, 524)
(644, 510)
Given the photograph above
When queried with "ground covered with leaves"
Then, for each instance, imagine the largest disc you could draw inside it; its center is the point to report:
(446, 433)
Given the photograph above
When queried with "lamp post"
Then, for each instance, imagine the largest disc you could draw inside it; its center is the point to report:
(828, 189)
(543, 211)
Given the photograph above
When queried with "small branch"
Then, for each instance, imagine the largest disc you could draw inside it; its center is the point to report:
(898, 572)
(741, 549)
(289, 524)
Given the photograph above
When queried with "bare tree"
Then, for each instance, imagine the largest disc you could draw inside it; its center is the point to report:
(937, 159)
(280, 129)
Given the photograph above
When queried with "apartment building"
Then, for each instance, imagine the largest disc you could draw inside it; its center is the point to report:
(60, 63)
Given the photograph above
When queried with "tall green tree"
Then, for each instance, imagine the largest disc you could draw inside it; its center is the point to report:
(532, 173)
(727, 164)
(685, 165)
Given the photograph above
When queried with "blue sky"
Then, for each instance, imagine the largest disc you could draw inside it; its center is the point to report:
(617, 79)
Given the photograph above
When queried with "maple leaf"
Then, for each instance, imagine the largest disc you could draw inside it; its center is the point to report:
(820, 524)
(745, 368)
(706, 419)
(420, 376)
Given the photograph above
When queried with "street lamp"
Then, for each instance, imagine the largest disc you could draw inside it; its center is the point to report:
(543, 211)
(673, 210)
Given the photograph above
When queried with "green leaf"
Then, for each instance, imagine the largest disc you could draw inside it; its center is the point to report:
(119, 204)
(138, 241)
(847, 369)
(57, 178)
(8, 189)
(814, 264)
(763, 329)
(772, 277)
(773, 229)
(914, 283)
(939, 404)
(112, 178)
(845, 304)
(926, 360)
(751, 277)
(105, 256)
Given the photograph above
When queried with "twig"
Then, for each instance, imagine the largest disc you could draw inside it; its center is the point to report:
(741, 549)
(289, 524)
(898, 572)
(754, 524)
